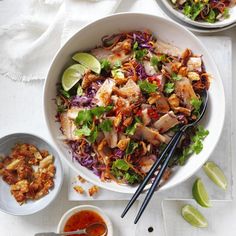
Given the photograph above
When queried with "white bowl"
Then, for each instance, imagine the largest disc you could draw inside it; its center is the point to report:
(218, 24)
(77, 209)
(90, 36)
(8, 204)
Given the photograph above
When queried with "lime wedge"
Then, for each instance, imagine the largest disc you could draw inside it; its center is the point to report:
(72, 75)
(200, 194)
(194, 217)
(88, 61)
(215, 174)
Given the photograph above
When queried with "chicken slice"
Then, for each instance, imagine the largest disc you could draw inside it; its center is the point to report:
(166, 48)
(68, 127)
(104, 92)
(149, 69)
(166, 122)
(184, 90)
(73, 112)
(151, 135)
(145, 117)
(130, 88)
(194, 63)
(146, 162)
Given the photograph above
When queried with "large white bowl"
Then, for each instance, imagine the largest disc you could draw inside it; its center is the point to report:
(218, 24)
(90, 36)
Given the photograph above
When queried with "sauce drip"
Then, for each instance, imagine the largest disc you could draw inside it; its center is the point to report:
(83, 219)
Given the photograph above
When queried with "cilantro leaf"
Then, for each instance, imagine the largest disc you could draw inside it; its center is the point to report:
(169, 87)
(117, 64)
(211, 18)
(196, 145)
(176, 77)
(196, 103)
(135, 46)
(120, 164)
(106, 125)
(130, 130)
(155, 60)
(140, 54)
(98, 111)
(105, 65)
(93, 135)
(85, 130)
(147, 87)
(64, 93)
(131, 147)
(226, 13)
(187, 10)
(84, 117)
(122, 171)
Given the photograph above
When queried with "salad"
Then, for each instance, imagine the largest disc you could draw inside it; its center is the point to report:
(120, 103)
(209, 11)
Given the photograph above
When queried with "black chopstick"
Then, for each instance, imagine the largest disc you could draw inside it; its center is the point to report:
(159, 175)
(149, 175)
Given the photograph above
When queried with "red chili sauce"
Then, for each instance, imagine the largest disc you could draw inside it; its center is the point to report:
(81, 220)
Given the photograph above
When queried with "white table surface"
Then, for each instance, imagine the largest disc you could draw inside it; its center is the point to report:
(21, 111)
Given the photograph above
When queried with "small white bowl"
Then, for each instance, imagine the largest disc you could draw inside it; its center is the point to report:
(77, 209)
(218, 24)
(8, 204)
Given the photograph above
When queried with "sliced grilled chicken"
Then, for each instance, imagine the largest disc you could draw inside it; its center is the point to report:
(103, 94)
(147, 162)
(101, 53)
(184, 90)
(149, 69)
(151, 135)
(145, 117)
(166, 122)
(111, 138)
(73, 112)
(68, 127)
(194, 63)
(165, 48)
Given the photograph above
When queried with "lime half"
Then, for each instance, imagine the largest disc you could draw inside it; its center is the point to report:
(215, 174)
(88, 61)
(200, 194)
(72, 75)
(194, 217)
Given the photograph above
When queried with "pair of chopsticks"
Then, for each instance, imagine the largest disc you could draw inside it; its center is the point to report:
(161, 162)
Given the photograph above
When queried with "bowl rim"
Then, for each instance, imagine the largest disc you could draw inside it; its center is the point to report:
(205, 25)
(79, 208)
(61, 179)
(134, 14)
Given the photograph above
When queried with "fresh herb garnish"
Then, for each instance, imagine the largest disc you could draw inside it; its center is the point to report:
(193, 9)
(140, 54)
(156, 60)
(117, 64)
(211, 18)
(135, 46)
(118, 73)
(105, 65)
(85, 119)
(64, 93)
(106, 125)
(147, 87)
(196, 145)
(85, 130)
(226, 13)
(196, 103)
(93, 135)
(169, 87)
(130, 130)
(79, 91)
(122, 171)
(176, 77)
(131, 147)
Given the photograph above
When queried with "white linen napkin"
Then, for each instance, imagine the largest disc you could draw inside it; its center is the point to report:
(28, 45)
